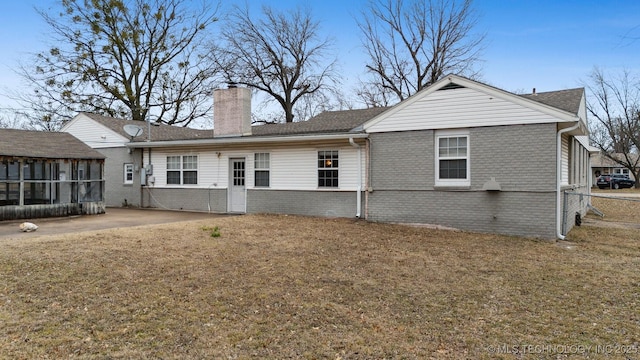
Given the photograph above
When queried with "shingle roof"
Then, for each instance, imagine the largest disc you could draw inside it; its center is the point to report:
(44, 145)
(325, 122)
(567, 100)
(159, 132)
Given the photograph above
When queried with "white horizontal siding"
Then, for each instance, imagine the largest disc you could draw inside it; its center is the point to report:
(565, 160)
(459, 108)
(294, 169)
(93, 133)
(213, 170)
(290, 168)
(297, 169)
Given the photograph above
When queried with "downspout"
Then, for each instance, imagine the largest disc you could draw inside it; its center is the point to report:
(367, 176)
(359, 188)
(559, 178)
(146, 178)
(140, 178)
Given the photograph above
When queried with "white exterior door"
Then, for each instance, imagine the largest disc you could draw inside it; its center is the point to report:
(237, 194)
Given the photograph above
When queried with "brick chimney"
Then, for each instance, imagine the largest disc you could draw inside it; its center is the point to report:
(231, 111)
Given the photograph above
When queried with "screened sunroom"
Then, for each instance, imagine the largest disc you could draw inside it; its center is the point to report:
(45, 174)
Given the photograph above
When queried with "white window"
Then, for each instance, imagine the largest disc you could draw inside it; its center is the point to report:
(182, 170)
(261, 164)
(452, 158)
(328, 168)
(128, 173)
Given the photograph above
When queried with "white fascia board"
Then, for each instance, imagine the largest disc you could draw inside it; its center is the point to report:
(246, 140)
(584, 140)
(71, 122)
(561, 115)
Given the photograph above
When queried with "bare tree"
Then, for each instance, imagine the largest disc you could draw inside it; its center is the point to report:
(125, 58)
(615, 105)
(280, 54)
(413, 43)
(11, 120)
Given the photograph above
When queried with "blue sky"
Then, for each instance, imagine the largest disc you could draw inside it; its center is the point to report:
(546, 44)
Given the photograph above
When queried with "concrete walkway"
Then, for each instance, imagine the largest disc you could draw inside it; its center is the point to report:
(114, 218)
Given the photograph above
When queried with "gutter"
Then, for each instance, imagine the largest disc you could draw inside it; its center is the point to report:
(559, 178)
(359, 189)
(245, 140)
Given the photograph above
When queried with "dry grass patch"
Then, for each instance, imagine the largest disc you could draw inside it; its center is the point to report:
(299, 287)
(618, 210)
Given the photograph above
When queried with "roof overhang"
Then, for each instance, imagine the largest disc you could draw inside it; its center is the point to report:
(51, 158)
(582, 130)
(248, 140)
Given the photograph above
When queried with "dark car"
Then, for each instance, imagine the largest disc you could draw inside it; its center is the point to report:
(615, 181)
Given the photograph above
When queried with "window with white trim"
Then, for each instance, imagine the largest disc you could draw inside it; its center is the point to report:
(261, 169)
(621, 171)
(182, 170)
(452, 158)
(328, 168)
(128, 174)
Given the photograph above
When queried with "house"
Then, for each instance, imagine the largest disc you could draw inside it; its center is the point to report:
(45, 174)
(107, 135)
(602, 165)
(460, 154)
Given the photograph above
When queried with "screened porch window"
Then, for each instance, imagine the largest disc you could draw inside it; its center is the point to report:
(9, 182)
(50, 181)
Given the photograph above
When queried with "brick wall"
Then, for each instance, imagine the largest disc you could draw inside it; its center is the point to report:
(509, 213)
(520, 157)
(115, 190)
(214, 200)
(313, 203)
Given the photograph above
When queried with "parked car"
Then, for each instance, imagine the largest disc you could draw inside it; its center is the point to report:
(615, 181)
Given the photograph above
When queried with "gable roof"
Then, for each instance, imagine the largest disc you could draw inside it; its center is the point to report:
(44, 145)
(556, 106)
(159, 132)
(564, 105)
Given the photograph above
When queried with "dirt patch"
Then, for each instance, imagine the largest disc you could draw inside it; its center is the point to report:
(599, 222)
(619, 213)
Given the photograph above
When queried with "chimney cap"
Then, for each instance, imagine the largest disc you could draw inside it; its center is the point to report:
(232, 84)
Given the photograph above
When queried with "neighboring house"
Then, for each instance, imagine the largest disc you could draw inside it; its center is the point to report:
(460, 154)
(602, 165)
(45, 174)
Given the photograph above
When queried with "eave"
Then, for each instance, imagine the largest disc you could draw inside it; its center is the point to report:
(248, 140)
